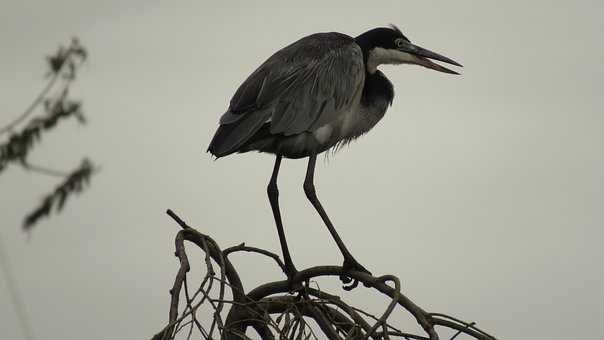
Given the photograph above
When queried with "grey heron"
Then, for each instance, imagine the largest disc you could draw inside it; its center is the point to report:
(315, 94)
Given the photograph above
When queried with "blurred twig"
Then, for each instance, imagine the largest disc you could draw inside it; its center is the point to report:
(19, 144)
(63, 64)
(63, 68)
(74, 183)
(13, 291)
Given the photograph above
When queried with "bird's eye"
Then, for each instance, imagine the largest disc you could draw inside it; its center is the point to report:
(399, 42)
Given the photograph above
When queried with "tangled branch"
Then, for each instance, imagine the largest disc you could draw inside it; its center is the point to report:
(271, 310)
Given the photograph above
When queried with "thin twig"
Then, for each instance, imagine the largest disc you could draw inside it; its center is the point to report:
(14, 294)
(243, 247)
(397, 293)
(30, 109)
(44, 170)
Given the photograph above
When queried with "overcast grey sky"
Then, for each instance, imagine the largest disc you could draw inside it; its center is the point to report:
(485, 196)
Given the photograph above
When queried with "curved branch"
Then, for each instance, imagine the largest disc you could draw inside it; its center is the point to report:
(397, 293)
(243, 247)
(215, 253)
(335, 318)
(281, 304)
(336, 301)
(276, 287)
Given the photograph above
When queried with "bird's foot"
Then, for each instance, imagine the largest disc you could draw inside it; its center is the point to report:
(351, 265)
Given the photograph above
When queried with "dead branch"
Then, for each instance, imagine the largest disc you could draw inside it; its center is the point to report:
(273, 311)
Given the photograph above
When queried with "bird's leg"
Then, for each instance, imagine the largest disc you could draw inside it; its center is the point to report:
(273, 197)
(350, 264)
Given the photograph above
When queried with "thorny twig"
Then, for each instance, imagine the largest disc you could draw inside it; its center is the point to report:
(272, 310)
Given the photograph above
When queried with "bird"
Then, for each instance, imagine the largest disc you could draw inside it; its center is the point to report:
(316, 94)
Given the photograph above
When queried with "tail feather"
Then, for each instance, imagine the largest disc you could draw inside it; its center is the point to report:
(231, 136)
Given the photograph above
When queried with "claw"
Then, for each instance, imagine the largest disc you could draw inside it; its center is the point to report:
(350, 264)
(345, 279)
(351, 286)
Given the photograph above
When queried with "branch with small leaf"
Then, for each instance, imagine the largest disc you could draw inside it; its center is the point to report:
(25, 132)
(74, 183)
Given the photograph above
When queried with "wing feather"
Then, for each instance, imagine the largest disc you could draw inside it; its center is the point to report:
(308, 83)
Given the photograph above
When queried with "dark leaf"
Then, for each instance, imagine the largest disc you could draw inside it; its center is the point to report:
(73, 183)
(19, 144)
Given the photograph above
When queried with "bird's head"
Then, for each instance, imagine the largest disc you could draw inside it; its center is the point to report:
(388, 45)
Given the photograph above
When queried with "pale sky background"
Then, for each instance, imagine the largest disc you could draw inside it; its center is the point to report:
(482, 192)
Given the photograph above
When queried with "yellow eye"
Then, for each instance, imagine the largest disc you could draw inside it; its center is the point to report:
(399, 42)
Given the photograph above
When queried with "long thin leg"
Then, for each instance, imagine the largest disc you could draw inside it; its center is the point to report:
(309, 188)
(273, 197)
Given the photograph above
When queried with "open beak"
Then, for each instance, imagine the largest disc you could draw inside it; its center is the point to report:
(422, 56)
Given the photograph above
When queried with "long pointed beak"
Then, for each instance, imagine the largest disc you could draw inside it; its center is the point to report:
(422, 57)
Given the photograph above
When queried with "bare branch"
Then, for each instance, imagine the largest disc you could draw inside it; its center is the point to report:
(243, 247)
(272, 309)
(44, 170)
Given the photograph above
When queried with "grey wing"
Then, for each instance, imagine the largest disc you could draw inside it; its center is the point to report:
(303, 86)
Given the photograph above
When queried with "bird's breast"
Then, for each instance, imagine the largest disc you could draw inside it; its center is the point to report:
(358, 120)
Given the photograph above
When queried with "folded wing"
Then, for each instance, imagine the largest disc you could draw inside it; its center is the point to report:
(301, 87)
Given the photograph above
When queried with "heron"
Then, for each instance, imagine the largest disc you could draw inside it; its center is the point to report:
(316, 94)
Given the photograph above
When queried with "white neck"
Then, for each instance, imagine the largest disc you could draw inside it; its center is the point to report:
(379, 56)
